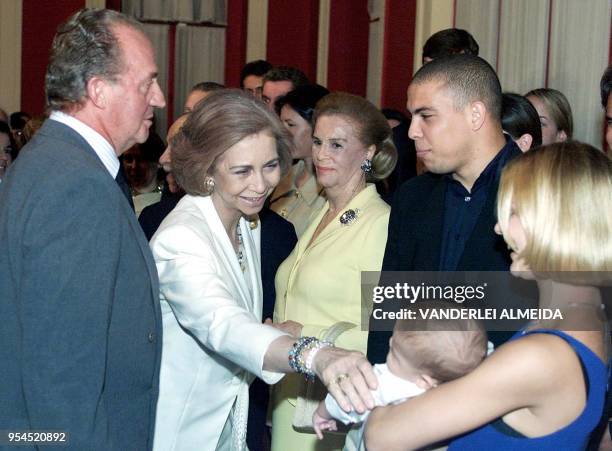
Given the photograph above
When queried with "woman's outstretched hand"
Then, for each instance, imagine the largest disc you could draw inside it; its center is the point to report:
(348, 376)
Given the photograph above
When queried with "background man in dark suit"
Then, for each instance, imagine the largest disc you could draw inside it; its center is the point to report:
(278, 81)
(443, 220)
(81, 329)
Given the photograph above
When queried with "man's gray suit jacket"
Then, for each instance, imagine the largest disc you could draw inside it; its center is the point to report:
(80, 340)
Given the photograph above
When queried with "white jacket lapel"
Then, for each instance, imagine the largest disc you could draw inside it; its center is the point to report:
(251, 239)
(227, 256)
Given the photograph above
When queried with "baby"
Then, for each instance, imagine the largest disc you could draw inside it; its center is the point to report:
(422, 354)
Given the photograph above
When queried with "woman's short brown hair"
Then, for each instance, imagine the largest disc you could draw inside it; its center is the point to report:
(372, 128)
(218, 122)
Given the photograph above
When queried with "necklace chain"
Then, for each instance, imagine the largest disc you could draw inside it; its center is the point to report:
(353, 194)
(240, 254)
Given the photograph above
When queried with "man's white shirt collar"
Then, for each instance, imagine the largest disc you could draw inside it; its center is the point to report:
(100, 145)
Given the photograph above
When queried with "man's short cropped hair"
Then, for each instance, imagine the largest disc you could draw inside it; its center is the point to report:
(84, 46)
(448, 42)
(469, 78)
(257, 68)
(286, 73)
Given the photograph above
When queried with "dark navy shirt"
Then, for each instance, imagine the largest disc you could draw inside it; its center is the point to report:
(462, 207)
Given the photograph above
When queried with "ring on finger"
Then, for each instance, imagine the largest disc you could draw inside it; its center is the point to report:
(340, 377)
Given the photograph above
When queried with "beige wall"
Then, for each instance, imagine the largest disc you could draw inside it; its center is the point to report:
(376, 9)
(10, 55)
(538, 43)
(257, 30)
(323, 39)
(95, 3)
(432, 16)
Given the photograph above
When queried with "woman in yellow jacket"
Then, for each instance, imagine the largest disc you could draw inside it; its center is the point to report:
(320, 282)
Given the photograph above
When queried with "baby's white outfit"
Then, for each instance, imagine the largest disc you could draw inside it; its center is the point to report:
(391, 390)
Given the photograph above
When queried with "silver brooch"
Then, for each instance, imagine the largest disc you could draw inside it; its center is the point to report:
(349, 216)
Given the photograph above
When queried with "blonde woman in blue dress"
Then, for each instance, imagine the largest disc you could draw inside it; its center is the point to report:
(544, 389)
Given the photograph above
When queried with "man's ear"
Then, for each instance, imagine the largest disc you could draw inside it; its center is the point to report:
(97, 91)
(478, 111)
(524, 142)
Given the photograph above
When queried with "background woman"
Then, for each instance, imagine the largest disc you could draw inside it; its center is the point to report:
(142, 171)
(8, 151)
(152, 216)
(228, 156)
(298, 197)
(544, 389)
(555, 114)
(320, 282)
(521, 121)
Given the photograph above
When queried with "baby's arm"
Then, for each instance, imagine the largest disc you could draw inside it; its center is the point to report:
(328, 411)
(323, 421)
(333, 410)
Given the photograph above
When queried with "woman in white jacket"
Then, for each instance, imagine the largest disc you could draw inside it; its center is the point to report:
(228, 157)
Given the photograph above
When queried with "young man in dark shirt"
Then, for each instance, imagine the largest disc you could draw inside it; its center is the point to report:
(443, 220)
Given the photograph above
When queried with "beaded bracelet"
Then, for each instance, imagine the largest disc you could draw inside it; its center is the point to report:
(314, 351)
(297, 352)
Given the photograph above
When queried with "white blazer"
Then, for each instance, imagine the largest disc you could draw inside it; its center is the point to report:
(213, 338)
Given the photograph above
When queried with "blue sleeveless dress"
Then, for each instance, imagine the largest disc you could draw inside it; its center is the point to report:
(575, 436)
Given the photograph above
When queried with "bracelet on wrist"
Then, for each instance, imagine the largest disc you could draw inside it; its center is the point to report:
(298, 351)
(295, 353)
(314, 350)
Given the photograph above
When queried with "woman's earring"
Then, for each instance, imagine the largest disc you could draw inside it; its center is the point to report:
(210, 184)
(366, 166)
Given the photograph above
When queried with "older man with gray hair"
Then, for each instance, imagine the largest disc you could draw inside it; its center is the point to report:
(81, 330)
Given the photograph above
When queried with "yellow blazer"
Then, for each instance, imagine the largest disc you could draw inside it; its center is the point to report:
(320, 284)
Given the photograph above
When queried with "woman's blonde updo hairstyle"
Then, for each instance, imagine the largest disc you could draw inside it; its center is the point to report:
(218, 122)
(562, 194)
(371, 125)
